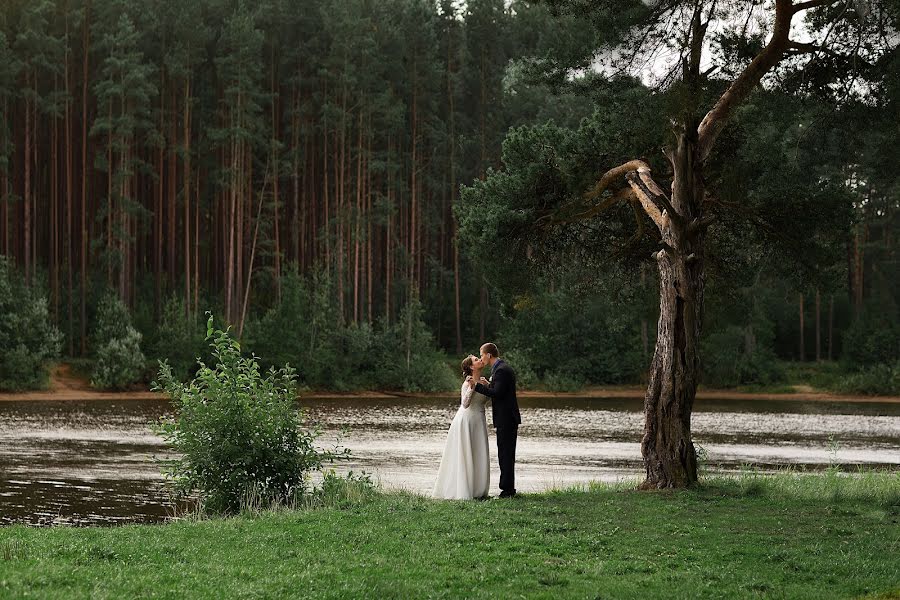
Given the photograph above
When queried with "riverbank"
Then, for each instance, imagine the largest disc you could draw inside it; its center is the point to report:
(67, 385)
(592, 392)
(788, 536)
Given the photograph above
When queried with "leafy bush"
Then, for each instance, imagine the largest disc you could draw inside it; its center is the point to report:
(729, 360)
(875, 380)
(551, 336)
(178, 339)
(305, 331)
(119, 361)
(238, 432)
(111, 322)
(28, 342)
(873, 338)
(408, 357)
(563, 382)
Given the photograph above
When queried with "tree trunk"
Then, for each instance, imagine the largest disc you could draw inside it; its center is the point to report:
(186, 193)
(802, 327)
(276, 176)
(54, 213)
(818, 328)
(84, 180)
(669, 455)
(830, 325)
(68, 142)
(26, 199)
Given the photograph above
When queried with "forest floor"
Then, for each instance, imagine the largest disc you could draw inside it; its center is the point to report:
(785, 536)
(65, 384)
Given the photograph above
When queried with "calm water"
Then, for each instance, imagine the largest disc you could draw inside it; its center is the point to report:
(94, 462)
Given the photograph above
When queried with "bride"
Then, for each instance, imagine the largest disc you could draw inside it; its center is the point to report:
(465, 467)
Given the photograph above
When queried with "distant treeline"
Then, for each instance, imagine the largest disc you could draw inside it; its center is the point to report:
(277, 156)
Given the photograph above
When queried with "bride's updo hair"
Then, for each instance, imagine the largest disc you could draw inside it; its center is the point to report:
(467, 366)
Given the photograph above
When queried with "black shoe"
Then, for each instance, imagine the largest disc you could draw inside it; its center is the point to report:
(505, 494)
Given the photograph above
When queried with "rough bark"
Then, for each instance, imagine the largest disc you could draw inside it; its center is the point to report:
(668, 451)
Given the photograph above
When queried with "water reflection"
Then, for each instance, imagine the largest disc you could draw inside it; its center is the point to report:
(95, 462)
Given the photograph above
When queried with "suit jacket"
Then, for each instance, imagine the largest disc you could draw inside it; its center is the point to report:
(502, 392)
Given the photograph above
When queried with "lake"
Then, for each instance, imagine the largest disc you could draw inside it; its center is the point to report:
(93, 462)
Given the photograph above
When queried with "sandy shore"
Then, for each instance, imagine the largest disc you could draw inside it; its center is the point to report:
(64, 385)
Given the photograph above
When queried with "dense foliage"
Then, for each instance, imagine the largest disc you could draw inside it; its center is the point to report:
(401, 355)
(118, 359)
(28, 341)
(238, 435)
(294, 166)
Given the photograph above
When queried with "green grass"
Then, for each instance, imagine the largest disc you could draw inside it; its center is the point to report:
(788, 536)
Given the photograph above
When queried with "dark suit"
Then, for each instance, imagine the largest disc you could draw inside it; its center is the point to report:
(505, 407)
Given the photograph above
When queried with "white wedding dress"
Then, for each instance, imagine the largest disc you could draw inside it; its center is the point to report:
(465, 470)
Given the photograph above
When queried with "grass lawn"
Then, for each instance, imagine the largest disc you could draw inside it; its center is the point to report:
(787, 536)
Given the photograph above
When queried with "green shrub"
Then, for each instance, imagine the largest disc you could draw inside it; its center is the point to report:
(118, 360)
(28, 341)
(238, 433)
(119, 363)
(111, 322)
(562, 381)
(873, 338)
(525, 375)
(408, 356)
(178, 339)
(305, 331)
(600, 342)
(728, 360)
(875, 380)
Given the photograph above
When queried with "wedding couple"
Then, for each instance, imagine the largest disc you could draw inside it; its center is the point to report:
(465, 470)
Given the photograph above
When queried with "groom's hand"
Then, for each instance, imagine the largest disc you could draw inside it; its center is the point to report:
(484, 381)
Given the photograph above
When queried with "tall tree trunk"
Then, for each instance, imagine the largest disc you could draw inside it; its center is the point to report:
(109, 203)
(818, 328)
(802, 331)
(84, 178)
(4, 201)
(339, 180)
(158, 201)
(830, 325)
(172, 193)
(356, 219)
(54, 212)
(369, 241)
(276, 198)
(26, 199)
(413, 188)
(453, 185)
(668, 451)
(197, 247)
(186, 193)
(68, 142)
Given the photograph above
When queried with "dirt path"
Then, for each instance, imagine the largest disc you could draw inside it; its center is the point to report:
(66, 385)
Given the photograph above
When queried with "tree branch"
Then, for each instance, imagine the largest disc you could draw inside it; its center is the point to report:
(740, 88)
(801, 6)
(610, 176)
(807, 48)
(659, 197)
(642, 189)
(645, 197)
(624, 194)
(602, 185)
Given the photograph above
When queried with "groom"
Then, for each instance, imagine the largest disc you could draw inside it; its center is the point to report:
(501, 389)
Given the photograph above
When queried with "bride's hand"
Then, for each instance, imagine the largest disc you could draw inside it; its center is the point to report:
(470, 381)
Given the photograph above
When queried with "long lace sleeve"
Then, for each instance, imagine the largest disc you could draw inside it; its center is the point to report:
(466, 394)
